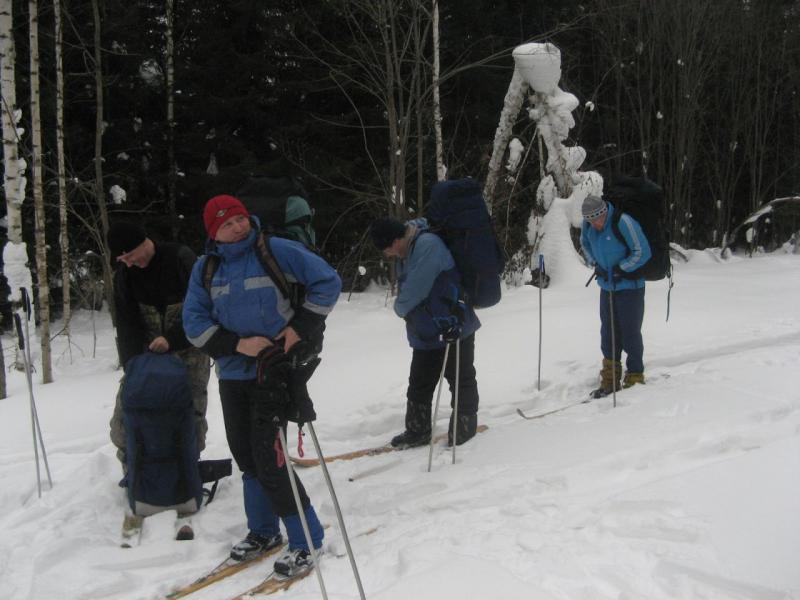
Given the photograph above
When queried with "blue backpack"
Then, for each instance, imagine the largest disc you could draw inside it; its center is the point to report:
(161, 440)
(458, 214)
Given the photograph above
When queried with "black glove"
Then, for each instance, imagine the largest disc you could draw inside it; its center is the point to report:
(300, 408)
(618, 273)
(273, 366)
(449, 328)
(600, 272)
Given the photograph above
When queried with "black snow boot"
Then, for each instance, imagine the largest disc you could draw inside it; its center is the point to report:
(411, 439)
(465, 430)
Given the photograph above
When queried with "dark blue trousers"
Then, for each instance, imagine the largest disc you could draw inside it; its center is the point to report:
(628, 316)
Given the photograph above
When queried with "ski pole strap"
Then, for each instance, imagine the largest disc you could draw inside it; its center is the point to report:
(20, 336)
(300, 452)
(26, 302)
(280, 459)
(211, 493)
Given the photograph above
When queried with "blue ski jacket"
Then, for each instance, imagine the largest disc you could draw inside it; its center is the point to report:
(604, 249)
(428, 283)
(244, 301)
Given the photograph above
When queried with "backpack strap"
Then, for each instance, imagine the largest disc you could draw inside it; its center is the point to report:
(268, 262)
(270, 265)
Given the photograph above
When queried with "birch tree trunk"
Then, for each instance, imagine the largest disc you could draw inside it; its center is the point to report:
(172, 167)
(15, 254)
(98, 158)
(441, 171)
(43, 289)
(63, 238)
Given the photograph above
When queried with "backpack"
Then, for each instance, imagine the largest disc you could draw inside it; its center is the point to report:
(161, 440)
(458, 214)
(643, 200)
(280, 203)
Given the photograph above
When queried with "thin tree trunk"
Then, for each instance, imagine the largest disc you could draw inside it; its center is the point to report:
(441, 173)
(172, 172)
(43, 289)
(98, 158)
(63, 238)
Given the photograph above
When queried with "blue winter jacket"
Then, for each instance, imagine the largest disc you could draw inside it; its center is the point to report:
(244, 301)
(604, 249)
(427, 281)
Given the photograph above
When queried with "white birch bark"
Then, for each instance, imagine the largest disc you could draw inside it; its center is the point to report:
(63, 238)
(441, 170)
(43, 288)
(170, 60)
(15, 254)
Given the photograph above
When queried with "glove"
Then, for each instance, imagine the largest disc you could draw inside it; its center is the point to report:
(273, 366)
(299, 407)
(449, 328)
(618, 273)
(600, 273)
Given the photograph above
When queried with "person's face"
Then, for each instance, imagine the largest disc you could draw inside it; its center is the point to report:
(140, 256)
(233, 230)
(599, 222)
(397, 249)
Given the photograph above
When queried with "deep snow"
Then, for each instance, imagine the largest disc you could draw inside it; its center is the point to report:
(687, 489)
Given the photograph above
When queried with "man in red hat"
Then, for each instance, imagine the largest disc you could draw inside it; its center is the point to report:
(265, 347)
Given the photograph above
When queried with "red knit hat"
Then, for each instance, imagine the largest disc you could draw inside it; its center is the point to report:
(218, 210)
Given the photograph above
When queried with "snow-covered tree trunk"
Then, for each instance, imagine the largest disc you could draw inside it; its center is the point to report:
(441, 171)
(564, 188)
(512, 104)
(63, 238)
(172, 172)
(43, 289)
(98, 159)
(15, 254)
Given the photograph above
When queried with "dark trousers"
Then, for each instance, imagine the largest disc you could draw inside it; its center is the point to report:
(426, 366)
(249, 411)
(628, 317)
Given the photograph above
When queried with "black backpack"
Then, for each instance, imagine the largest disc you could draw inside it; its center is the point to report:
(161, 439)
(643, 200)
(458, 214)
(268, 198)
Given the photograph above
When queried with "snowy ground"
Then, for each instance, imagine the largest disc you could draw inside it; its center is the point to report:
(688, 489)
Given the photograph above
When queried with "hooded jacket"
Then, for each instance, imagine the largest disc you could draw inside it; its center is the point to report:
(244, 301)
(428, 283)
(604, 249)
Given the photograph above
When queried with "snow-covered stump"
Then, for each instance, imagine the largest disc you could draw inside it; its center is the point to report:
(562, 191)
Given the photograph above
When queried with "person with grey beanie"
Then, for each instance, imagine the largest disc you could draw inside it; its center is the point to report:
(613, 261)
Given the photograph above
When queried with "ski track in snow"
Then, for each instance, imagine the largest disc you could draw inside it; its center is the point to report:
(687, 489)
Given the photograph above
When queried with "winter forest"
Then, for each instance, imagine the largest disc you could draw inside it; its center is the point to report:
(680, 489)
(147, 109)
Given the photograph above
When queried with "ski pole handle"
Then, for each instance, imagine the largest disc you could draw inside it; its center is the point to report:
(26, 302)
(541, 265)
(20, 336)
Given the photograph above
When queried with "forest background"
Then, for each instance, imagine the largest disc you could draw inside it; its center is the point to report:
(166, 104)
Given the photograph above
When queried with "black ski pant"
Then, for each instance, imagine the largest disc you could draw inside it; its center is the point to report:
(249, 410)
(426, 366)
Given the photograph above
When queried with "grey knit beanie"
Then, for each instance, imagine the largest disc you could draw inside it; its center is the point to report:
(593, 207)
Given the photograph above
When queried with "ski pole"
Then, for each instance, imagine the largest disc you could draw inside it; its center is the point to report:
(26, 357)
(613, 344)
(541, 283)
(300, 512)
(436, 408)
(455, 403)
(336, 508)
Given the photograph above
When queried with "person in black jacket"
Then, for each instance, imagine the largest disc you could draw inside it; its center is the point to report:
(150, 283)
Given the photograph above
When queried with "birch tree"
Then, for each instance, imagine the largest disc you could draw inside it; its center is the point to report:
(441, 173)
(43, 289)
(170, 83)
(63, 238)
(15, 254)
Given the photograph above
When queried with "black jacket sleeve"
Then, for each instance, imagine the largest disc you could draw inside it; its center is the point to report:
(130, 330)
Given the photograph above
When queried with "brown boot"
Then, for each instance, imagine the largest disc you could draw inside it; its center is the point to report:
(632, 379)
(610, 375)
